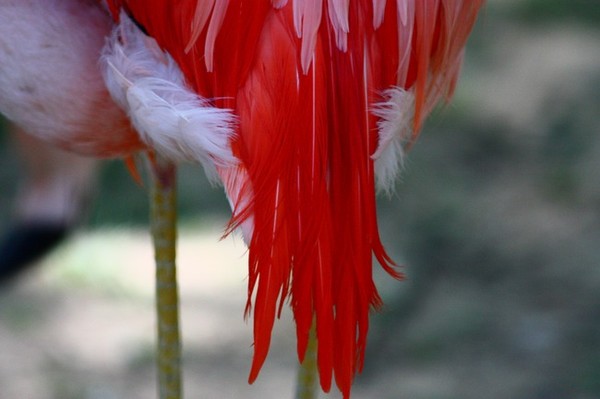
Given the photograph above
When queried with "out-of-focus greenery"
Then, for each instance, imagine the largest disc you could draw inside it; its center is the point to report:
(545, 11)
(196, 197)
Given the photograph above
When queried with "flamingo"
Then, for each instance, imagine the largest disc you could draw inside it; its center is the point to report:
(52, 199)
(302, 109)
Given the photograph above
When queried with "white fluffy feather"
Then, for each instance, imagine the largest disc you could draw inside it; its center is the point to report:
(170, 118)
(395, 115)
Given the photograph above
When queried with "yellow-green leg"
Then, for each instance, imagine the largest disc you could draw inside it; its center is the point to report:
(308, 375)
(164, 235)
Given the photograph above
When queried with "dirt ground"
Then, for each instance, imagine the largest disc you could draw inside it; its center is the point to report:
(67, 331)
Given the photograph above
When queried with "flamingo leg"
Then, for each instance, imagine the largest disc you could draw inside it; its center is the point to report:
(307, 378)
(164, 235)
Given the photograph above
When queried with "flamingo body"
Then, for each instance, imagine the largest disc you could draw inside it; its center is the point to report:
(301, 108)
(53, 196)
(50, 80)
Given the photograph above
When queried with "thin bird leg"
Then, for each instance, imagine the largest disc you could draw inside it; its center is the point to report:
(164, 234)
(307, 379)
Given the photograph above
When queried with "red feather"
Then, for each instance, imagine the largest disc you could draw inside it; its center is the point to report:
(306, 137)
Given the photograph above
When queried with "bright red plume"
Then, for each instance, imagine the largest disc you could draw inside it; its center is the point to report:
(317, 86)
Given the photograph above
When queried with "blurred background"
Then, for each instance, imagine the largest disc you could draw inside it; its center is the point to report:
(496, 219)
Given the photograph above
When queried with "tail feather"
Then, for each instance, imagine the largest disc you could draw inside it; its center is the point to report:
(325, 94)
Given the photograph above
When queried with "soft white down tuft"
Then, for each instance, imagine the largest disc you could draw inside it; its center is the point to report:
(395, 115)
(171, 118)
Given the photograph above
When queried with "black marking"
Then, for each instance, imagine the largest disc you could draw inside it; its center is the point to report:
(26, 243)
(136, 22)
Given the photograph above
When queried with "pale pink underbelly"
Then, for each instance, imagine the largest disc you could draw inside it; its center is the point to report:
(50, 80)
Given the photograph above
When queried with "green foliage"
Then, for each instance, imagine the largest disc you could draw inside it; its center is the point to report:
(547, 11)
